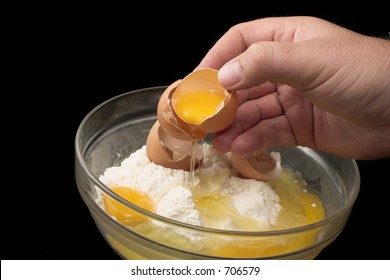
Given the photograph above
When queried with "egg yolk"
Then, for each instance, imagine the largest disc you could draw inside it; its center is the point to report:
(195, 107)
(124, 214)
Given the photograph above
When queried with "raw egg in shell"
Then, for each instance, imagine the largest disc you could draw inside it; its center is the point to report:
(202, 103)
(197, 105)
(169, 120)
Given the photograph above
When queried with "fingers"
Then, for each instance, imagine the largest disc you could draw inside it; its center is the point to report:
(249, 114)
(267, 133)
(315, 67)
(280, 50)
(256, 92)
(296, 64)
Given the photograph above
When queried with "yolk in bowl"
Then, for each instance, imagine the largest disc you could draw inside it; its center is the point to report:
(124, 214)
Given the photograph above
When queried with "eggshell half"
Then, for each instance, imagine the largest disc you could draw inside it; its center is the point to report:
(158, 153)
(170, 122)
(262, 166)
(180, 148)
(207, 80)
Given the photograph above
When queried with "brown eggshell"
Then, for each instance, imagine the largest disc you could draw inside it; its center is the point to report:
(161, 155)
(180, 148)
(207, 80)
(170, 122)
(262, 166)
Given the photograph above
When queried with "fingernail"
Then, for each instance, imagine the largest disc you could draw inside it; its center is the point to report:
(230, 74)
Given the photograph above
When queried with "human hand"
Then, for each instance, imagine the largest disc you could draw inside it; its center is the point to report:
(304, 81)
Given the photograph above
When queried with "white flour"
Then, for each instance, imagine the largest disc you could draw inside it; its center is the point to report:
(177, 204)
(172, 199)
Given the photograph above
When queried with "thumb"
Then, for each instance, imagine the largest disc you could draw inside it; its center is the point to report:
(298, 64)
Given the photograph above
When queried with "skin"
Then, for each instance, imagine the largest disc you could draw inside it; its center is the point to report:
(304, 81)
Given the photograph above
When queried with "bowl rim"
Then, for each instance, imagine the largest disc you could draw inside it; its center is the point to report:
(80, 159)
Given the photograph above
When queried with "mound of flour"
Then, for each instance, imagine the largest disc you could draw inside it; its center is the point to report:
(172, 199)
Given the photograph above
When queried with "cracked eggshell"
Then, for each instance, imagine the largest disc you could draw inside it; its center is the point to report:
(202, 80)
(168, 119)
(176, 154)
(180, 148)
(207, 80)
(261, 166)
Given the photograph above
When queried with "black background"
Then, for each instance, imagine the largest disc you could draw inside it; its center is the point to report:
(64, 61)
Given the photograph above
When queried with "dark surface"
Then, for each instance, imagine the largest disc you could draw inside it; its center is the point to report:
(68, 61)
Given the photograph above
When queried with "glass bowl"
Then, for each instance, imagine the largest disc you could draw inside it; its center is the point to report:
(119, 126)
